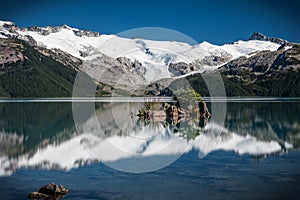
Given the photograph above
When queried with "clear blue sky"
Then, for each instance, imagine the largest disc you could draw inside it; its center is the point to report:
(216, 21)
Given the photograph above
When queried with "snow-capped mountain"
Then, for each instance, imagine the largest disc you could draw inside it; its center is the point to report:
(155, 56)
(133, 64)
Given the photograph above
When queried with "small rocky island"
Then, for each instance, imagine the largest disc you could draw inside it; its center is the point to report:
(49, 192)
(188, 104)
(188, 118)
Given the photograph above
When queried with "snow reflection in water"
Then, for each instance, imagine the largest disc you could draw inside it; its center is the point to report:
(133, 141)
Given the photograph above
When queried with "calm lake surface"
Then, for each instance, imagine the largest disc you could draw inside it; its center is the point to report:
(253, 155)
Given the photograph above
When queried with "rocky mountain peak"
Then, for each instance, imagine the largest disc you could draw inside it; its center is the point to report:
(43, 30)
(81, 33)
(9, 29)
(6, 24)
(260, 36)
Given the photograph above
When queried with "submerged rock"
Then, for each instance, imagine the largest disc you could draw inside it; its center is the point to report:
(49, 191)
(37, 195)
(53, 189)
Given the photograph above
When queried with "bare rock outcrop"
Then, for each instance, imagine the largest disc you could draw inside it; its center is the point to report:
(49, 191)
(10, 52)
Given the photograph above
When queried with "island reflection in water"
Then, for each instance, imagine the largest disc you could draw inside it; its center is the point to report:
(43, 135)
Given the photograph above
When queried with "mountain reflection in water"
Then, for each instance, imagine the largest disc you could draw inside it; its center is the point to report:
(43, 135)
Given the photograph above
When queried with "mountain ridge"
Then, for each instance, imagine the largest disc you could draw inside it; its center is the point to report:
(141, 62)
(46, 30)
(260, 36)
